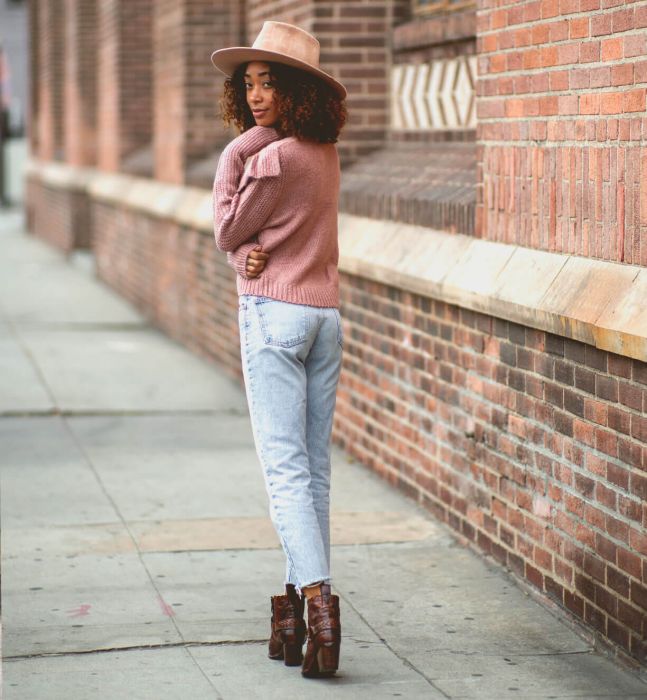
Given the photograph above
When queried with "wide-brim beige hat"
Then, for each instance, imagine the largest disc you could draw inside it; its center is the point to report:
(282, 43)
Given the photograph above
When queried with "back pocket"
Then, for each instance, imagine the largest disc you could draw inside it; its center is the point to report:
(282, 324)
(340, 329)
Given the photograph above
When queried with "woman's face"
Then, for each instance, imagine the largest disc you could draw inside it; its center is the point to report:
(260, 93)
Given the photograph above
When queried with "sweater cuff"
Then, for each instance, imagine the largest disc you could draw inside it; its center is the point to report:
(238, 258)
(253, 140)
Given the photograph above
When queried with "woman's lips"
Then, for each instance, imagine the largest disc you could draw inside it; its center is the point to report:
(258, 112)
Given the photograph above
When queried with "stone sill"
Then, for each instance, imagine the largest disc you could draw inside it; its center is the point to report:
(429, 30)
(597, 302)
(425, 184)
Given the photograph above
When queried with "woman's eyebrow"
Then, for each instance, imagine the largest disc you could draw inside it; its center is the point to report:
(247, 75)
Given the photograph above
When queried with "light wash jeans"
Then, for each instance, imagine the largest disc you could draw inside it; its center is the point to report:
(291, 356)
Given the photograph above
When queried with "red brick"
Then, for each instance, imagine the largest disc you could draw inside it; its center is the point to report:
(549, 8)
(600, 25)
(617, 529)
(613, 102)
(589, 104)
(578, 27)
(621, 20)
(534, 576)
(634, 100)
(589, 52)
(622, 74)
(617, 581)
(606, 441)
(635, 45)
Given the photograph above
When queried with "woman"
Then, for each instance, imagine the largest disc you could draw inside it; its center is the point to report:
(275, 214)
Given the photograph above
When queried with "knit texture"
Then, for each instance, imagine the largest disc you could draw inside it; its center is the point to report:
(280, 195)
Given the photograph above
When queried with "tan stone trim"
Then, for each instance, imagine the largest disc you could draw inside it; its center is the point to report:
(189, 206)
(594, 301)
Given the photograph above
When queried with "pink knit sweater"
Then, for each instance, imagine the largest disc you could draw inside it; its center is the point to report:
(281, 194)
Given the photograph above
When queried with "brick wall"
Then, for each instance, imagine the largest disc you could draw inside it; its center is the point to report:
(186, 87)
(562, 126)
(124, 124)
(175, 276)
(59, 216)
(532, 447)
(355, 48)
(80, 87)
(34, 77)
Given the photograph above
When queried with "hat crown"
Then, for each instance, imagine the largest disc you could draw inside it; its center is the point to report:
(289, 40)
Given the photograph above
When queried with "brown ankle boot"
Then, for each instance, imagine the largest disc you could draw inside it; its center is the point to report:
(288, 627)
(324, 635)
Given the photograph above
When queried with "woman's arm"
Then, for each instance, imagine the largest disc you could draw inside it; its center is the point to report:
(243, 200)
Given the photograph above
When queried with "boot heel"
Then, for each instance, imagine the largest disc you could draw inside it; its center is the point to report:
(292, 654)
(328, 659)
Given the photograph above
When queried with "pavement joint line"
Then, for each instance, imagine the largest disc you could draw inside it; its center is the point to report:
(147, 412)
(403, 659)
(83, 326)
(135, 647)
(25, 348)
(205, 675)
(508, 656)
(119, 514)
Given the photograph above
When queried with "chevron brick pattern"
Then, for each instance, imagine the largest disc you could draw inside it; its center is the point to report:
(435, 95)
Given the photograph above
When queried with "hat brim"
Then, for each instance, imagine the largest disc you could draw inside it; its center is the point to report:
(227, 60)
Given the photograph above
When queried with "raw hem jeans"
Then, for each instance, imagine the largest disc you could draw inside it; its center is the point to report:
(291, 356)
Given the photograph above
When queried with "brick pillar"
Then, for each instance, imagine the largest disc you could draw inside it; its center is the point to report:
(34, 76)
(562, 127)
(124, 122)
(49, 78)
(80, 92)
(355, 49)
(186, 88)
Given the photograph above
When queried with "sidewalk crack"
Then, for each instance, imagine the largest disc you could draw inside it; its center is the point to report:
(402, 658)
(134, 647)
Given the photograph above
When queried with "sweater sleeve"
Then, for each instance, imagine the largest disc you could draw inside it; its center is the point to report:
(245, 194)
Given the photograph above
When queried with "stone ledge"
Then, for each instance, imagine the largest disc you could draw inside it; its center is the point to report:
(440, 28)
(597, 302)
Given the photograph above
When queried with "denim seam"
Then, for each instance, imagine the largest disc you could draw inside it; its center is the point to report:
(340, 331)
(261, 455)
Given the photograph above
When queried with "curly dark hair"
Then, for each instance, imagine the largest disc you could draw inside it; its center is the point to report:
(308, 107)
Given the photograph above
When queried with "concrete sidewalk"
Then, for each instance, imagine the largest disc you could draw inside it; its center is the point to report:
(138, 559)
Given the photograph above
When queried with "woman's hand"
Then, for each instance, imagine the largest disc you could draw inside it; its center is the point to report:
(256, 261)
